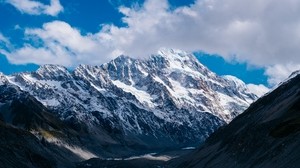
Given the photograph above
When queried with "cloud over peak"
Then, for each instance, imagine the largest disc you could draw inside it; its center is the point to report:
(262, 33)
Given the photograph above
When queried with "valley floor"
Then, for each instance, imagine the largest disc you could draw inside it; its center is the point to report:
(149, 160)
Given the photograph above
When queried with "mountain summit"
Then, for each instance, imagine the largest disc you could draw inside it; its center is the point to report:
(169, 100)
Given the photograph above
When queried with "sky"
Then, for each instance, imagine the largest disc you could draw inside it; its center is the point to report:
(257, 41)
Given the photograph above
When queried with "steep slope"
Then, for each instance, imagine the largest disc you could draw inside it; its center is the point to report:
(25, 128)
(266, 135)
(21, 149)
(169, 100)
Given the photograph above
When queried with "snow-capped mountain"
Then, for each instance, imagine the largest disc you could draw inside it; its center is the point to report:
(166, 100)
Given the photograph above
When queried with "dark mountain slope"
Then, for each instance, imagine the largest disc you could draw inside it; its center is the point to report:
(24, 126)
(21, 149)
(267, 134)
(22, 110)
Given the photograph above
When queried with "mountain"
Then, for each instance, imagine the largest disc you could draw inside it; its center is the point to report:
(266, 135)
(169, 100)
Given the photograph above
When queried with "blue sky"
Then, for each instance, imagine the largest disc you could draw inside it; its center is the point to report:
(234, 36)
(241, 70)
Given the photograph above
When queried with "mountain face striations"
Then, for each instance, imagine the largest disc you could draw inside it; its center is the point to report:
(167, 100)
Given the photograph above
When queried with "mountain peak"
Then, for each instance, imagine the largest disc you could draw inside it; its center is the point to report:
(3, 79)
(123, 57)
(123, 60)
(175, 54)
(51, 67)
(177, 60)
(170, 51)
(53, 72)
(83, 66)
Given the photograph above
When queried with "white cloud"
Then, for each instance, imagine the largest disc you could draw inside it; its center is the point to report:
(279, 72)
(264, 33)
(59, 43)
(33, 7)
(3, 39)
(53, 55)
(64, 34)
(259, 90)
(4, 43)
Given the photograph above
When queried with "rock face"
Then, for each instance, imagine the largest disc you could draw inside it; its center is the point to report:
(266, 135)
(169, 100)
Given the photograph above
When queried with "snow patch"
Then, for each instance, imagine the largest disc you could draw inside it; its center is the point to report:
(180, 92)
(50, 102)
(141, 95)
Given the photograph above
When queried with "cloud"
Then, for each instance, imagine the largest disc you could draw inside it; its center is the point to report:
(259, 90)
(37, 8)
(55, 55)
(4, 43)
(118, 3)
(3, 39)
(263, 33)
(279, 72)
(59, 43)
(245, 30)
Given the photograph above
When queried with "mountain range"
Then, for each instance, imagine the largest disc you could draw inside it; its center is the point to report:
(121, 108)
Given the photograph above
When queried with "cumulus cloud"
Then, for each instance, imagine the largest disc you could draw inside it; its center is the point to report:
(59, 43)
(248, 31)
(264, 33)
(37, 8)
